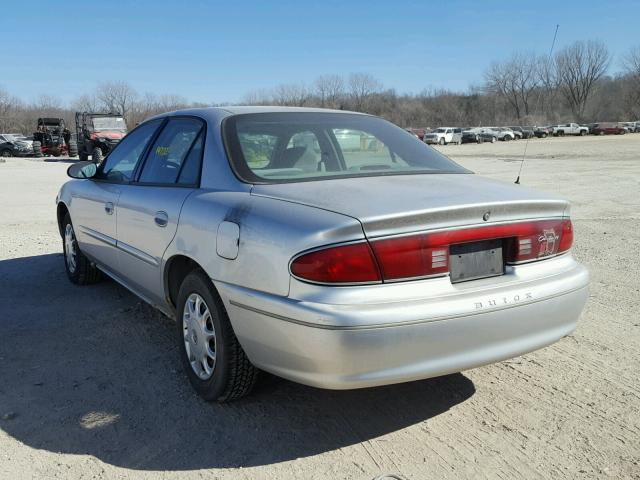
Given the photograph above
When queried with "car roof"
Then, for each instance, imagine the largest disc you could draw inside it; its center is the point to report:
(218, 113)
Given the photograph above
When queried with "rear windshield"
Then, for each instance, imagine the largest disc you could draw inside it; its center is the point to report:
(299, 146)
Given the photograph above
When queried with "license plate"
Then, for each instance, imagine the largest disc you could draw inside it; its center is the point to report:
(470, 261)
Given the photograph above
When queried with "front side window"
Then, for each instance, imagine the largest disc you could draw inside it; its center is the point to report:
(296, 146)
(169, 153)
(121, 162)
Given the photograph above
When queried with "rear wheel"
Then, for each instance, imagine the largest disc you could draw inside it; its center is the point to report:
(37, 149)
(80, 269)
(213, 359)
(6, 153)
(96, 155)
(73, 149)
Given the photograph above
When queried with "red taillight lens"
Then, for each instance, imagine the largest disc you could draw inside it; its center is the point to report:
(540, 239)
(427, 254)
(408, 257)
(353, 263)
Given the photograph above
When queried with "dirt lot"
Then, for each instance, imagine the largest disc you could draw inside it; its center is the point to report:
(91, 387)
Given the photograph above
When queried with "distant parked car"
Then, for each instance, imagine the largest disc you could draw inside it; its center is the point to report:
(500, 133)
(608, 128)
(630, 127)
(527, 132)
(11, 146)
(517, 133)
(444, 135)
(569, 129)
(471, 136)
(417, 132)
(542, 132)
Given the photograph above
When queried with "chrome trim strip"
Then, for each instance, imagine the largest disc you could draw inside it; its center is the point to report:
(399, 324)
(139, 254)
(98, 236)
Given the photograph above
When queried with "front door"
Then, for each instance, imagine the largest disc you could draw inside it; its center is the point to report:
(149, 207)
(94, 208)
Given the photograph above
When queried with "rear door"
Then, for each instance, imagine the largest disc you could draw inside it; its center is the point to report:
(94, 202)
(149, 207)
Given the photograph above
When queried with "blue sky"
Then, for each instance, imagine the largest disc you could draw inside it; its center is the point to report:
(219, 51)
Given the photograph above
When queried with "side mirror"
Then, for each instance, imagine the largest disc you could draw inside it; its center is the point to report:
(82, 170)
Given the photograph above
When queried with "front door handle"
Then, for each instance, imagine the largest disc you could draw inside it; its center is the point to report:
(108, 207)
(161, 219)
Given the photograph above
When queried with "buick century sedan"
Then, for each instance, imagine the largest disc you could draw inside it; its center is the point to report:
(330, 248)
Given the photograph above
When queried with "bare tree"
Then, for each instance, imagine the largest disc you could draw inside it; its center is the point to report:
(361, 87)
(578, 68)
(631, 67)
(86, 103)
(290, 95)
(330, 90)
(117, 97)
(515, 80)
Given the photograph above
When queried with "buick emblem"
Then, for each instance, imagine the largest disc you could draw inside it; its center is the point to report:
(486, 216)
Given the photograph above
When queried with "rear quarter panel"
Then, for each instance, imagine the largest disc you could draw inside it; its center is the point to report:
(271, 233)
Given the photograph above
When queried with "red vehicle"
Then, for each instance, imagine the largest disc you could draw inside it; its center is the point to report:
(608, 129)
(53, 138)
(98, 134)
(418, 132)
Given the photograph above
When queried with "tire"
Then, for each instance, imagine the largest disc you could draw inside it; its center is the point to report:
(479, 139)
(37, 149)
(73, 149)
(582, 133)
(601, 132)
(231, 375)
(494, 139)
(7, 152)
(441, 141)
(561, 133)
(96, 155)
(506, 138)
(79, 268)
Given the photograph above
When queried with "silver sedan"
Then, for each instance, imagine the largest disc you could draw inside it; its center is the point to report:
(330, 248)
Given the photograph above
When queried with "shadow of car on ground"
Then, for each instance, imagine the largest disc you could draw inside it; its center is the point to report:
(93, 370)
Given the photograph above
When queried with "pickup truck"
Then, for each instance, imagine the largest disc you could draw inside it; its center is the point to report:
(569, 129)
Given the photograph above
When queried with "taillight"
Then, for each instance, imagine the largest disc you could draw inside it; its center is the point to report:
(410, 257)
(427, 254)
(537, 240)
(352, 263)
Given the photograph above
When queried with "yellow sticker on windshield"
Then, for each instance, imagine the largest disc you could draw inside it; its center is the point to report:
(162, 151)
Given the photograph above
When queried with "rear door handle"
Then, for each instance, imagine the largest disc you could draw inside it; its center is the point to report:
(108, 207)
(161, 219)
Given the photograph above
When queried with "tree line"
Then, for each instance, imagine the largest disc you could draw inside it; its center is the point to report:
(525, 88)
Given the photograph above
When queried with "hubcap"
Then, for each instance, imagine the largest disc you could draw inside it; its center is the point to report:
(70, 248)
(199, 336)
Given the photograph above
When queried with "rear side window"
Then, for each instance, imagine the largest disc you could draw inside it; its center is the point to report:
(121, 162)
(177, 149)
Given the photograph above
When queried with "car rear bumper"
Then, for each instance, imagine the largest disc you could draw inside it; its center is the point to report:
(363, 345)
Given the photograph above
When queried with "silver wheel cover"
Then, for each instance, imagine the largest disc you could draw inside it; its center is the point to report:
(199, 336)
(70, 255)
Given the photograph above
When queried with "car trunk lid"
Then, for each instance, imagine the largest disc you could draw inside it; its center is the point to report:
(398, 204)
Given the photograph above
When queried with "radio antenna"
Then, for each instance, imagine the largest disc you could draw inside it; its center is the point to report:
(524, 154)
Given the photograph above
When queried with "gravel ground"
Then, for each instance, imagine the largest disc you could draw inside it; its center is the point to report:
(91, 385)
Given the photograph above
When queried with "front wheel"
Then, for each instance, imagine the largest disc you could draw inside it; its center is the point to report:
(583, 133)
(96, 155)
(80, 269)
(6, 153)
(213, 359)
(441, 141)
